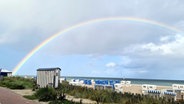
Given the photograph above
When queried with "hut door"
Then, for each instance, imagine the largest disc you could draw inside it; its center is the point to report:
(181, 97)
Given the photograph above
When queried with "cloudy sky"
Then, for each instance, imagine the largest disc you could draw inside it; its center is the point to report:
(119, 48)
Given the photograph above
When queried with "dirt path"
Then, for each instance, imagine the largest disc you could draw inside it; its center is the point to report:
(84, 101)
(68, 97)
(9, 97)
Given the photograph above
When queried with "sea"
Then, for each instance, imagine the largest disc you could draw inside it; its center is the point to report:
(160, 82)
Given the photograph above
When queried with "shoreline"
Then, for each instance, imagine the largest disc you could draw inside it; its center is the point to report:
(121, 78)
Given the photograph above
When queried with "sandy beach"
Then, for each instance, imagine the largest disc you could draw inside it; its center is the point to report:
(136, 89)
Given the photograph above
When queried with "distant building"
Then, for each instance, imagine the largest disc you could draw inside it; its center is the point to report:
(151, 90)
(48, 77)
(179, 90)
(103, 87)
(4, 72)
(169, 94)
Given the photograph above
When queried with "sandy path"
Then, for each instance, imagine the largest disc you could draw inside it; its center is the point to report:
(28, 92)
(84, 101)
(68, 97)
(9, 97)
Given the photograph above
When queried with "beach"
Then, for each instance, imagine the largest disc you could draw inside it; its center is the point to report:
(137, 88)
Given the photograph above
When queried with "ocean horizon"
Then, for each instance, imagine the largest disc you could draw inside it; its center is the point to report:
(160, 82)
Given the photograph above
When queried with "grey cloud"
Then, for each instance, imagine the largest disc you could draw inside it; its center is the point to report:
(25, 24)
(104, 38)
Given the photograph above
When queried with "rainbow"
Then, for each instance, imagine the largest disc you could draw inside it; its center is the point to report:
(45, 42)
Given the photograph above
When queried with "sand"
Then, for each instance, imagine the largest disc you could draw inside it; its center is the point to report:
(84, 101)
(136, 89)
(27, 92)
(24, 92)
(164, 87)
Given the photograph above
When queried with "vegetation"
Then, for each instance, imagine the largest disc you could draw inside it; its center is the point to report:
(108, 96)
(57, 96)
(16, 83)
(50, 94)
(62, 102)
(30, 97)
(46, 94)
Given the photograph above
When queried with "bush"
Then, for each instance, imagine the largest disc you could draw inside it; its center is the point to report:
(46, 94)
(62, 102)
(16, 82)
(30, 97)
(16, 85)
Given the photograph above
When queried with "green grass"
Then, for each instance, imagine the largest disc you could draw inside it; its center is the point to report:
(30, 97)
(63, 102)
(17, 83)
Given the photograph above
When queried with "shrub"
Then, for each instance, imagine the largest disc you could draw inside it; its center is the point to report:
(16, 85)
(16, 82)
(62, 102)
(46, 94)
(30, 97)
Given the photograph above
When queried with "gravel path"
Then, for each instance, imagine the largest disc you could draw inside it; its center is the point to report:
(9, 97)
